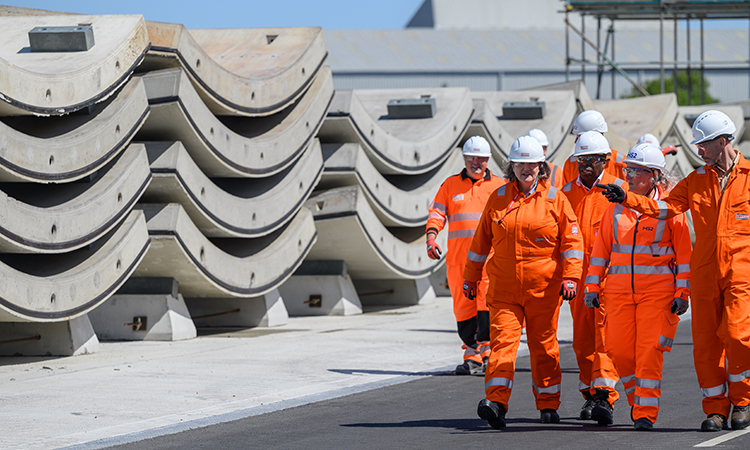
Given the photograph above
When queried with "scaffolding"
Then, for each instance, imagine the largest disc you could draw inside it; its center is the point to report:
(673, 11)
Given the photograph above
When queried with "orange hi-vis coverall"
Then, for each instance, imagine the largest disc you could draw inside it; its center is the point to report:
(536, 244)
(555, 176)
(719, 277)
(596, 369)
(646, 262)
(613, 167)
(460, 203)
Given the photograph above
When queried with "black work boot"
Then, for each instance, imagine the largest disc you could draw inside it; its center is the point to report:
(714, 422)
(587, 406)
(470, 367)
(740, 417)
(602, 411)
(549, 416)
(492, 412)
(643, 424)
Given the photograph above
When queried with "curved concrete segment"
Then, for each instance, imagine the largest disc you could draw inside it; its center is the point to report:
(231, 207)
(397, 201)
(349, 230)
(36, 289)
(399, 146)
(63, 149)
(66, 219)
(684, 131)
(222, 267)
(233, 146)
(630, 118)
(247, 72)
(56, 83)
(489, 121)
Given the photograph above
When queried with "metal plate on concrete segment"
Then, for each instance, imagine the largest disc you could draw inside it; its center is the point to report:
(684, 131)
(400, 146)
(245, 72)
(62, 149)
(628, 119)
(233, 146)
(78, 221)
(54, 83)
(234, 207)
(349, 230)
(561, 111)
(206, 268)
(59, 288)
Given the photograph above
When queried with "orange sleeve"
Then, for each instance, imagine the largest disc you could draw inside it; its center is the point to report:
(481, 244)
(675, 204)
(570, 171)
(571, 241)
(600, 255)
(683, 249)
(438, 209)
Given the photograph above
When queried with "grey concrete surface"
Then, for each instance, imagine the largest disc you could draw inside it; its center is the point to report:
(68, 148)
(399, 146)
(222, 267)
(630, 118)
(54, 288)
(41, 83)
(77, 219)
(233, 146)
(132, 390)
(284, 63)
(236, 207)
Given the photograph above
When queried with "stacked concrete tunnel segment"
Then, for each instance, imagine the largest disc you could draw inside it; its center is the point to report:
(217, 177)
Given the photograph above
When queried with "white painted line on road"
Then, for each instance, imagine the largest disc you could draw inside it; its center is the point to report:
(716, 441)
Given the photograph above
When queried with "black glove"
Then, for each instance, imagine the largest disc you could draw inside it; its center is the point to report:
(679, 306)
(591, 299)
(613, 192)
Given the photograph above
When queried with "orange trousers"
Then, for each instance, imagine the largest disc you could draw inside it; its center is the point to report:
(639, 328)
(595, 366)
(721, 338)
(465, 309)
(506, 319)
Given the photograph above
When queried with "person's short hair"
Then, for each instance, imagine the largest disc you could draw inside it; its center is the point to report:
(544, 171)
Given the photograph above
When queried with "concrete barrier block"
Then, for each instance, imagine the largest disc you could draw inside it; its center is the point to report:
(69, 338)
(395, 292)
(264, 311)
(313, 292)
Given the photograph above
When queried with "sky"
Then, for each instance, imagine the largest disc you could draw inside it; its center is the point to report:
(329, 14)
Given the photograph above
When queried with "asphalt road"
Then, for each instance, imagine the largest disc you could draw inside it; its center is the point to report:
(439, 412)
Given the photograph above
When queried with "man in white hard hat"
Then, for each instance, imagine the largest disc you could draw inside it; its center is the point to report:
(718, 196)
(592, 120)
(556, 178)
(597, 375)
(649, 138)
(460, 202)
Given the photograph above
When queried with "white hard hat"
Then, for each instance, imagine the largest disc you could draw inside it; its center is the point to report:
(592, 143)
(539, 135)
(649, 138)
(590, 120)
(526, 149)
(476, 146)
(647, 155)
(710, 125)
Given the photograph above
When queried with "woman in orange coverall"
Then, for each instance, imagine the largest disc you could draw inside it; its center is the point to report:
(646, 262)
(538, 256)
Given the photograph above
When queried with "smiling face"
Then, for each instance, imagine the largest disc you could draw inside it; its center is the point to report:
(640, 179)
(591, 166)
(476, 166)
(526, 173)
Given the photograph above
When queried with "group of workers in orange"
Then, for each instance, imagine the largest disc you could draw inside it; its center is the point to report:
(607, 234)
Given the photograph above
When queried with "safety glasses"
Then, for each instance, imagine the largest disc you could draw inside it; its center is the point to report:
(632, 172)
(591, 159)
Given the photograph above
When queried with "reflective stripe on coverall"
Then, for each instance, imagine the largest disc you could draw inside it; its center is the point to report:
(719, 274)
(596, 369)
(649, 266)
(613, 167)
(555, 176)
(536, 244)
(460, 202)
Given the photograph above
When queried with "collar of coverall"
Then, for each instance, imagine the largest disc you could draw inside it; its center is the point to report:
(465, 175)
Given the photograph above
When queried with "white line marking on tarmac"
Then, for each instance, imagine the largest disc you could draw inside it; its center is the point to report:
(716, 441)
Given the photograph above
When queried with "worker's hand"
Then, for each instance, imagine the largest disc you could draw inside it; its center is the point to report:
(679, 306)
(470, 289)
(433, 250)
(613, 192)
(669, 150)
(568, 289)
(591, 299)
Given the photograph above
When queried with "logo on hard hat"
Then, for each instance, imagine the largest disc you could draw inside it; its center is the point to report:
(584, 147)
(524, 154)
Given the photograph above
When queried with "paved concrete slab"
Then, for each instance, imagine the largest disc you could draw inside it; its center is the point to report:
(233, 146)
(35, 288)
(583, 99)
(349, 230)
(56, 83)
(630, 118)
(66, 148)
(231, 207)
(684, 131)
(222, 267)
(399, 146)
(247, 71)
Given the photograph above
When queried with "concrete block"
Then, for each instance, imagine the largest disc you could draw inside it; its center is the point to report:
(265, 311)
(412, 108)
(439, 282)
(164, 318)
(61, 39)
(69, 338)
(395, 292)
(321, 288)
(523, 110)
